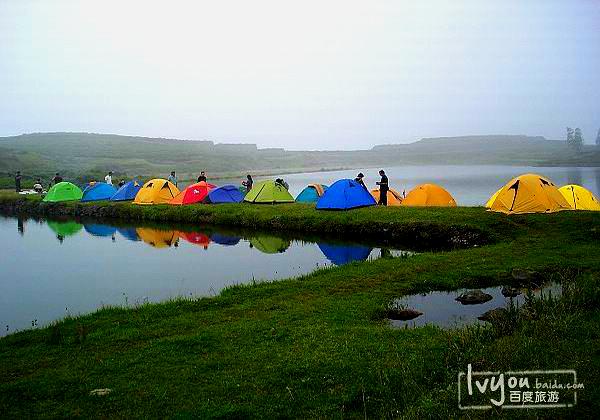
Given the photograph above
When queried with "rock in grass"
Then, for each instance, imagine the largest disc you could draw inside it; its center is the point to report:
(508, 291)
(474, 297)
(493, 315)
(404, 314)
(100, 392)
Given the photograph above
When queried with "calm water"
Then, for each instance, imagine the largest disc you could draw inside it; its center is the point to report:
(470, 185)
(443, 310)
(52, 269)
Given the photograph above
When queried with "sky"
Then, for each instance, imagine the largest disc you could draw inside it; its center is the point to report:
(300, 74)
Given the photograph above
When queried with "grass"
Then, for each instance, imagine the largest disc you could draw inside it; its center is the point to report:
(316, 346)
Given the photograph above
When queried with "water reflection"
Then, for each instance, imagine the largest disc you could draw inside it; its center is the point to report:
(129, 233)
(224, 239)
(344, 254)
(100, 230)
(158, 238)
(64, 229)
(196, 238)
(270, 244)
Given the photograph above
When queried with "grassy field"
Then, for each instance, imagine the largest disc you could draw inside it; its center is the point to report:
(318, 346)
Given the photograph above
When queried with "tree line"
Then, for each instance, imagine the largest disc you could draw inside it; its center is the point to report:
(575, 138)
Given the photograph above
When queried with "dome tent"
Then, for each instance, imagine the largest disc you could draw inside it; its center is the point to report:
(394, 198)
(311, 193)
(224, 194)
(345, 194)
(268, 192)
(528, 193)
(63, 191)
(98, 191)
(429, 195)
(156, 191)
(579, 198)
(127, 191)
(194, 193)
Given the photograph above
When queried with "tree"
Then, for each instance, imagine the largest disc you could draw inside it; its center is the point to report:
(570, 137)
(577, 140)
(598, 138)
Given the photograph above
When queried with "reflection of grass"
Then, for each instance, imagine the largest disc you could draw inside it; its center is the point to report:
(312, 346)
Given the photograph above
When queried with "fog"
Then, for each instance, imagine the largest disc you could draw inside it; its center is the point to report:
(303, 74)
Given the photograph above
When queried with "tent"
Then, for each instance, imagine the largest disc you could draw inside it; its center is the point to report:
(193, 193)
(65, 228)
(156, 191)
(492, 199)
(311, 193)
(224, 194)
(345, 194)
(344, 254)
(98, 191)
(127, 192)
(580, 198)
(429, 195)
(268, 192)
(394, 198)
(270, 244)
(129, 233)
(100, 230)
(224, 239)
(529, 193)
(157, 238)
(63, 191)
(196, 238)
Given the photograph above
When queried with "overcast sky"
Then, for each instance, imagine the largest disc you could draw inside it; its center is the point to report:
(300, 74)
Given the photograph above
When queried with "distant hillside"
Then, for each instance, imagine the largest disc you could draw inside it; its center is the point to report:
(93, 154)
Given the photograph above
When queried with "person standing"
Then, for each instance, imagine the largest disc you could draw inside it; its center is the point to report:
(202, 177)
(172, 178)
(108, 178)
(359, 179)
(18, 178)
(248, 183)
(56, 179)
(383, 188)
(38, 187)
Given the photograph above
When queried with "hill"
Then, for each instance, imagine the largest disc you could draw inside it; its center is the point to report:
(91, 155)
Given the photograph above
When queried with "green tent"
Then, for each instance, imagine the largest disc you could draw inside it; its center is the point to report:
(270, 244)
(63, 191)
(65, 228)
(268, 192)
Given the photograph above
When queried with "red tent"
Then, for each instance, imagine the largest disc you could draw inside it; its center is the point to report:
(192, 194)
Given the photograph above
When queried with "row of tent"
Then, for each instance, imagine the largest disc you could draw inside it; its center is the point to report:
(158, 238)
(528, 193)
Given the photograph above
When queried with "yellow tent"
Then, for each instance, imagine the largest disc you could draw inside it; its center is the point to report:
(394, 198)
(492, 199)
(579, 198)
(156, 191)
(429, 195)
(157, 238)
(529, 193)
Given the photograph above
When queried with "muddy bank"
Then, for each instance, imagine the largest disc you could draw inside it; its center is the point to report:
(352, 225)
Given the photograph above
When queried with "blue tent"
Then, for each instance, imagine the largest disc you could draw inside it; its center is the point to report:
(344, 254)
(310, 194)
(345, 194)
(127, 191)
(98, 191)
(224, 240)
(224, 194)
(129, 233)
(100, 230)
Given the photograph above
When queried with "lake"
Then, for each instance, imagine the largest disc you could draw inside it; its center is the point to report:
(52, 269)
(469, 185)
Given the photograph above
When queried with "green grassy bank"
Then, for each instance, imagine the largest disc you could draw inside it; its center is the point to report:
(317, 346)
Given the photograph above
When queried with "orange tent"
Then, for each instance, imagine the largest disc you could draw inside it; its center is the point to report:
(156, 191)
(194, 193)
(394, 198)
(429, 195)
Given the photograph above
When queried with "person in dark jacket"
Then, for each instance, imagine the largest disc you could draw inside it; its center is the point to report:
(248, 183)
(57, 178)
(359, 179)
(18, 178)
(202, 177)
(383, 188)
